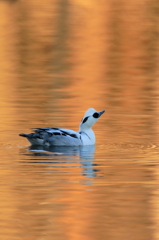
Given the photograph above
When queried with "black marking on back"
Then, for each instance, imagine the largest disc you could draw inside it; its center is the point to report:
(44, 129)
(56, 133)
(63, 134)
(85, 119)
(67, 134)
(96, 115)
(73, 135)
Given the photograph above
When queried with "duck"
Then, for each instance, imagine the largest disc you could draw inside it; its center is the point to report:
(67, 137)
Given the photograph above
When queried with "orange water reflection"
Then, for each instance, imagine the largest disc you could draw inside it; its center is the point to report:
(57, 59)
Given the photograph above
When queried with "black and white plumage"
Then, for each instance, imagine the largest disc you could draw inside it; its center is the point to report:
(67, 137)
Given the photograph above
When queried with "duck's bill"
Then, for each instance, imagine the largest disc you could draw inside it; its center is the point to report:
(100, 113)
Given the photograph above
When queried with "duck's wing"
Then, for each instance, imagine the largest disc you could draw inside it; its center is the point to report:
(53, 136)
(59, 136)
(56, 131)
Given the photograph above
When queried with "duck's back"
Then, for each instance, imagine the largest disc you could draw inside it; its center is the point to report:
(54, 137)
(64, 137)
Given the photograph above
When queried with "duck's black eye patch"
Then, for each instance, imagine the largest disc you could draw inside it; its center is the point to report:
(85, 119)
(96, 115)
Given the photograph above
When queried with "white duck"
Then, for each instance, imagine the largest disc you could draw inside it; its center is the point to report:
(67, 137)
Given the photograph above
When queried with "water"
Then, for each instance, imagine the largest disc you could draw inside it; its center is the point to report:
(57, 59)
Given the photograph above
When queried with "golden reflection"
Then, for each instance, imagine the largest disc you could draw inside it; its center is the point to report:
(58, 58)
(8, 63)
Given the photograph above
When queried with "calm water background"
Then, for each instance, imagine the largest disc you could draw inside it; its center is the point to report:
(58, 58)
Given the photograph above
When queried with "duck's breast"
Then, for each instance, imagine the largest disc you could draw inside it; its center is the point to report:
(88, 137)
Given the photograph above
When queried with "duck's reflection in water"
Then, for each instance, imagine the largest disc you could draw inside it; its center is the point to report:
(67, 157)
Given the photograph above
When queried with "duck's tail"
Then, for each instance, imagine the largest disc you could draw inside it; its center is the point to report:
(23, 135)
(33, 138)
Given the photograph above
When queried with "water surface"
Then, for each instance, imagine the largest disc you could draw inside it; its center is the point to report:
(57, 59)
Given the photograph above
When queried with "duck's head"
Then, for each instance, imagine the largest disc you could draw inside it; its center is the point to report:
(90, 118)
